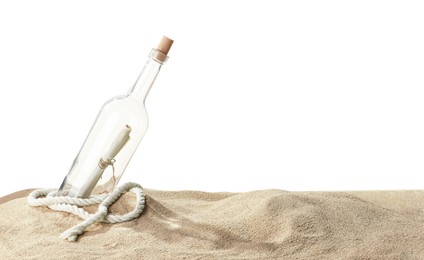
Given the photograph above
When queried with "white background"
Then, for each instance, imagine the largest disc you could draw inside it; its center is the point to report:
(294, 95)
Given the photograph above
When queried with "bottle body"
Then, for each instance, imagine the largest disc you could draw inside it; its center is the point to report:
(115, 135)
(93, 170)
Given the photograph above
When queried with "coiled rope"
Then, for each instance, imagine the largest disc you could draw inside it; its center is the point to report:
(73, 205)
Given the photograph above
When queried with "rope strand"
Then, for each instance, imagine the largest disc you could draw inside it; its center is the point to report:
(73, 205)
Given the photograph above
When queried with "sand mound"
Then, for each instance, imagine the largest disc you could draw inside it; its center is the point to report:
(264, 224)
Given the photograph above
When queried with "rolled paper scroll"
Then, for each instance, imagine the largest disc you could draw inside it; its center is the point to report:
(105, 161)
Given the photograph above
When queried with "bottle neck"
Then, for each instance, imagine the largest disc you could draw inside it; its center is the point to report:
(148, 75)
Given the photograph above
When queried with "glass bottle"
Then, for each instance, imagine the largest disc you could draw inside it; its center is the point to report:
(115, 135)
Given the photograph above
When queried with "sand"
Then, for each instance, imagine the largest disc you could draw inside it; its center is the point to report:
(267, 224)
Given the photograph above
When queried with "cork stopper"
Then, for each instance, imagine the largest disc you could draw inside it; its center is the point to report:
(164, 45)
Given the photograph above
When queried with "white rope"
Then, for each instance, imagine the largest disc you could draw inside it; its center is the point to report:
(73, 204)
